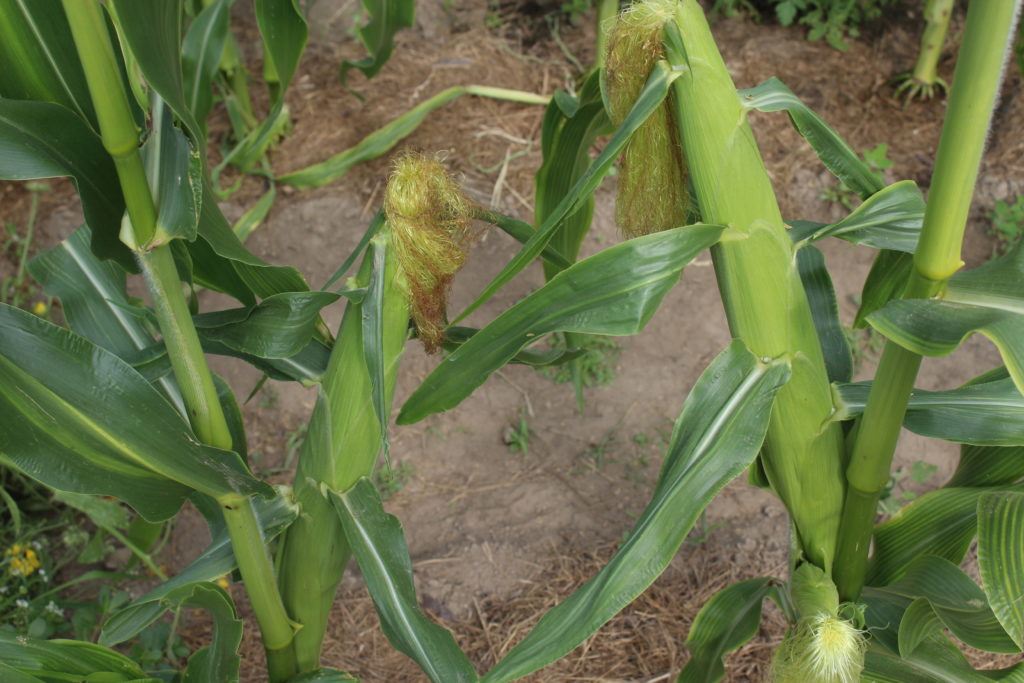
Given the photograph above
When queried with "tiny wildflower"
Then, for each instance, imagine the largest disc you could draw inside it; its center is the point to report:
(39, 308)
(21, 604)
(223, 582)
(22, 560)
(54, 609)
(4, 589)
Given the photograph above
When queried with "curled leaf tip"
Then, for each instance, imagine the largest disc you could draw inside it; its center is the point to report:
(430, 220)
(653, 193)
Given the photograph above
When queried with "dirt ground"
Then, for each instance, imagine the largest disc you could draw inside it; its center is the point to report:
(498, 535)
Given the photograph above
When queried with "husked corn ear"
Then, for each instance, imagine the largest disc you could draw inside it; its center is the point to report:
(430, 219)
(652, 194)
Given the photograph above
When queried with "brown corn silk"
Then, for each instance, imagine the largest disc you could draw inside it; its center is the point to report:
(430, 220)
(652, 194)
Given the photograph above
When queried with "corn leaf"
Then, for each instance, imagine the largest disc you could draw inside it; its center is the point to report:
(387, 17)
(175, 174)
(988, 466)
(200, 57)
(941, 523)
(986, 299)
(650, 98)
(12, 675)
(728, 620)
(219, 661)
(455, 337)
(521, 231)
(283, 29)
(222, 262)
(80, 419)
(614, 292)
(324, 675)
(67, 660)
(379, 546)
(918, 623)
(716, 437)
(987, 414)
(773, 95)
(821, 296)
(254, 215)
(306, 367)
(44, 140)
(935, 660)
(39, 57)
(372, 314)
(959, 603)
(885, 281)
(889, 219)
(1001, 558)
(217, 560)
(280, 326)
(153, 33)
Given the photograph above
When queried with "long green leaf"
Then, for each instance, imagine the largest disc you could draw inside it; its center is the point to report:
(987, 414)
(387, 17)
(728, 620)
(613, 292)
(987, 299)
(80, 419)
(650, 98)
(69, 660)
(886, 281)
(200, 57)
(889, 219)
(773, 95)
(372, 313)
(175, 173)
(283, 29)
(215, 561)
(918, 623)
(988, 466)
(379, 546)
(1001, 558)
(716, 437)
(821, 296)
(44, 140)
(324, 675)
(941, 523)
(958, 602)
(39, 57)
(153, 32)
(280, 326)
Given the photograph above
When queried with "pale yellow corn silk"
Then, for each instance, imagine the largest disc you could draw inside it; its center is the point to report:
(430, 220)
(652, 169)
(821, 649)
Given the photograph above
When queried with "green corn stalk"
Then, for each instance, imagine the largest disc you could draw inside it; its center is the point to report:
(120, 139)
(341, 447)
(761, 289)
(987, 40)
(924, 80)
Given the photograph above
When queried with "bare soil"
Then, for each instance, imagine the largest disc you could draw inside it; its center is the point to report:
(497, 536)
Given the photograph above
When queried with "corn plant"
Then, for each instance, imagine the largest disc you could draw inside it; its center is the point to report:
(924, 81)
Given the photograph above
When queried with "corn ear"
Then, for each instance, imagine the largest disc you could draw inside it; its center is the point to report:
(652, 165)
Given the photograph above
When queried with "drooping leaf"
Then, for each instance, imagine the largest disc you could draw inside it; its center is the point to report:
(1001, 558)
(274, 516)
(387, 17)
(306, 367)
(650, 98)
(728, 620)
(941, 523)
(280, 326)
(959, 603)
(987, 299)
(80, 419)
(821, 296)
(283, 29)
(39, 58)
(538, 358)
(919, 622)
(613, 292)
(773, 95)
(986, 414)
(44, 140)
(716, 437)
(889, 219)
(200, 57)
(379, 547)
(153, 32)
(69, 660)
(218, 661)
(102, 511)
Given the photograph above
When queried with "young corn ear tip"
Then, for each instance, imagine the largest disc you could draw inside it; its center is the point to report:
(821, 649)
(430, 222)
(652, 192)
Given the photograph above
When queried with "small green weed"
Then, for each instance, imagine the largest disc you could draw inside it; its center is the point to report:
(598, 455)
(391, 480)
(890, 502)
(596, 365)
(877, 160)
(517, 437)
(865, 345)
(1007, 223)
(833, 20)
(18, 290)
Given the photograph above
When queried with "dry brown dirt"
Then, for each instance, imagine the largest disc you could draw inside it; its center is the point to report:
(498, 536)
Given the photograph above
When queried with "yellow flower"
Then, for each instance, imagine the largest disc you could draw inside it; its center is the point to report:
(39, 308)
(223, 582)
(22, 560)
